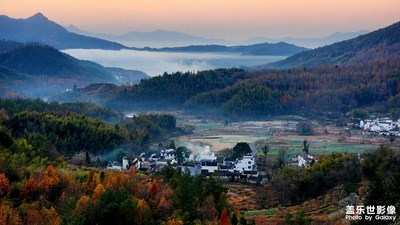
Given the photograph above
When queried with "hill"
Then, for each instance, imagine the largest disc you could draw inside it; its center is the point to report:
(35, 70)
(325, 91)
(44, 60)
(39, 28)
(383, 43)
(8, 45)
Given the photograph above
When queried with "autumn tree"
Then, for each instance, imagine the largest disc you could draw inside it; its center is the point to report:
(4, 185)
(9, 216)
(153, 188)
(224, 218)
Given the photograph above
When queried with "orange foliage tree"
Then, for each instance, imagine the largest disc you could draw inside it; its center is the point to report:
(9, 216)
(153, 188)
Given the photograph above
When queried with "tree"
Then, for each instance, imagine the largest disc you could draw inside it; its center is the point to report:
(281, 157)
(160, 146)
(265, 149)
(87, 158)
(4, 185)
(172, 145)
(306, 146)
(359, 114)
(392, 138)
(224, 218)
(241, 149)
(181, 153)
(304, 128)
(153, 188)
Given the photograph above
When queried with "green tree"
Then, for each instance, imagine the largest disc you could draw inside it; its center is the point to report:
(87, 158)
(304, 128)
(241, 149)
(181, 153)
(306, 146)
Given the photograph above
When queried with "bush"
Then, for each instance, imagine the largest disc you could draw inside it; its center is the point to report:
(305, 128)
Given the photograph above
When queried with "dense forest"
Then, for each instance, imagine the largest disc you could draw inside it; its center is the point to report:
(71, 128)
(328, 90)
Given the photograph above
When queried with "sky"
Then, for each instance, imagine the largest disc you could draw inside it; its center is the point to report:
(227, 19)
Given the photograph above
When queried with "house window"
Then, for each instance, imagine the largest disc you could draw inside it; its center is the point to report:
(249, 167)
(249, 162)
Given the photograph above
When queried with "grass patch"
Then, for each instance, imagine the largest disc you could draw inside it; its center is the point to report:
(200, 127)
(260, 212)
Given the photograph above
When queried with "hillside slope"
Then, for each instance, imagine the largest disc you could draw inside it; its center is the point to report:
(382, 43)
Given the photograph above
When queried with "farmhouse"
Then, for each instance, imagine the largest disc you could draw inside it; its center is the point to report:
(243, 168)
(381, 126)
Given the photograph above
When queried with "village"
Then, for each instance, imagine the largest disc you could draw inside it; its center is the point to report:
(242, 169)
(381, 126)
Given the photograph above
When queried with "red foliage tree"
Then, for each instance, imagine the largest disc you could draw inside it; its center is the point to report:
(4, 185)
(224, 218)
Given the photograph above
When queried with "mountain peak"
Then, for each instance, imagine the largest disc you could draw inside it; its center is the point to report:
(37, 16)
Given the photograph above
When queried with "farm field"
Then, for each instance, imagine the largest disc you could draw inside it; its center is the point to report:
(281, 134)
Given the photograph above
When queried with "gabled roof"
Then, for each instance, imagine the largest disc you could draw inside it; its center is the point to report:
(228, 159)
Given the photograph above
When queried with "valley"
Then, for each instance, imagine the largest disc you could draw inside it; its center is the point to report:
(201, 131)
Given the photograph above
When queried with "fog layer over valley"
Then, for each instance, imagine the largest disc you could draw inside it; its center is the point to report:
(156, 63)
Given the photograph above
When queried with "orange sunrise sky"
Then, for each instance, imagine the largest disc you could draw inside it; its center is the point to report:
(229, 19)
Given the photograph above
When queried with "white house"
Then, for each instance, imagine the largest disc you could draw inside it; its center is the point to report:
(168, 154)
(304, 161)
(380, 125)
(125, 163)
(245, 164)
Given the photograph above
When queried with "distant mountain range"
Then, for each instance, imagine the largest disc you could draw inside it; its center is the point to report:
(38, 28)
(162, 38)
(37, 70)
(380, 44)
(156, 38)
(310, 42)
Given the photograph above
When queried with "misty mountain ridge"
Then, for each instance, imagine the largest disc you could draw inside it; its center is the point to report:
(264, 49)
(156, 38)
(39, 28)
(313, 42)
(377, 45)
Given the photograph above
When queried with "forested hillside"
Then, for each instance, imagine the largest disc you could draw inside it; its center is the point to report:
(71, 128)
(36, 70)
(315, 91)
(383, 43)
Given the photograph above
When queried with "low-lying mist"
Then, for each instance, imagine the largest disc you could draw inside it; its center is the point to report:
(156, 63)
